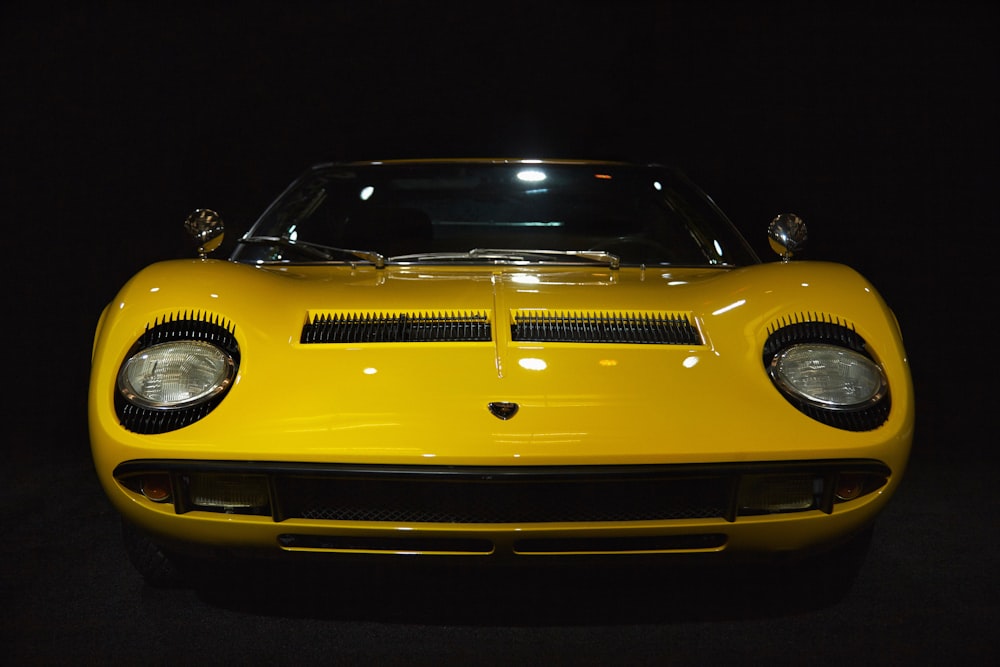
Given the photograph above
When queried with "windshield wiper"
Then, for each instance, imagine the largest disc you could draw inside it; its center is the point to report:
(515, 255)
(316, 250)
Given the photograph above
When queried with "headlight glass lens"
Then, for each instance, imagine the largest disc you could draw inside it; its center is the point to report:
(828, 375)
(175, 374)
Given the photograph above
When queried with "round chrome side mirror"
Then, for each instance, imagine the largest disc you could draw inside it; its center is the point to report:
(205, 228)
(787, 235)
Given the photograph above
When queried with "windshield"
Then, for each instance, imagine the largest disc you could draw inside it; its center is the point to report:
(494, 212)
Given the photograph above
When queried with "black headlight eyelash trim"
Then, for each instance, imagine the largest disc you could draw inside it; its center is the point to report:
(195, 326)
(821, 328)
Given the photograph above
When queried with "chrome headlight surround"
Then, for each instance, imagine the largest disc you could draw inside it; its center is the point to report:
(176, 373)
(825, 370)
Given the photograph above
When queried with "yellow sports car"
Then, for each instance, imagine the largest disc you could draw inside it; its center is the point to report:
(497, 359)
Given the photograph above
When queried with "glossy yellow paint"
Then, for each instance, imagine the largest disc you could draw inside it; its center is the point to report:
(426, 403)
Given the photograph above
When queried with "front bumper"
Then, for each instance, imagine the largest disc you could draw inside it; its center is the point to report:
(259, 508)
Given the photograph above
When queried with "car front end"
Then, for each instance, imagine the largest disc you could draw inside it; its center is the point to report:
(507, 403)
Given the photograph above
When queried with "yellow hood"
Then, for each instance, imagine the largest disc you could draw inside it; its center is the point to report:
(578, 401)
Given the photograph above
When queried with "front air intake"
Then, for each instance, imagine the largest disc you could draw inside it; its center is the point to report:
(607, 327)
(396, 327)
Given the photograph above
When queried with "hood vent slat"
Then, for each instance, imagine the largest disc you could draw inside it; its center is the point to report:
(397, 328)
(614, 327)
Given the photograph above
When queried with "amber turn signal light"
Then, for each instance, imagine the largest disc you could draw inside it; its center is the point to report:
(156, 487)
(850, 486)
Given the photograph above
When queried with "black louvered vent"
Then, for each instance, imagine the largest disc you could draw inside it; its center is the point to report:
(574, 327)
(397, 328)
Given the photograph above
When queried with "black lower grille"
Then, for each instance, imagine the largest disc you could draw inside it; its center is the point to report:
(450, 498)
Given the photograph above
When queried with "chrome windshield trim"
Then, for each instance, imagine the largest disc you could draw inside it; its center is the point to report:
(317, 250)
(511, 255)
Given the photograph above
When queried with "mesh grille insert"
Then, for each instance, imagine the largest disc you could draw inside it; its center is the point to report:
(447, 499)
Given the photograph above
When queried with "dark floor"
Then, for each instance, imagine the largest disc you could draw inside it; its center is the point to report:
(926, 596)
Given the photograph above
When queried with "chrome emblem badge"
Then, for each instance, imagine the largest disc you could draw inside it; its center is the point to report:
(503, 409)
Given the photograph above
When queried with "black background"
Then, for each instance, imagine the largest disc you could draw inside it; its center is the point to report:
(876, 122)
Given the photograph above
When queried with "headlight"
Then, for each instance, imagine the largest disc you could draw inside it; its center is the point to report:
(175, 374)
(826, 370)
(828, 376)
